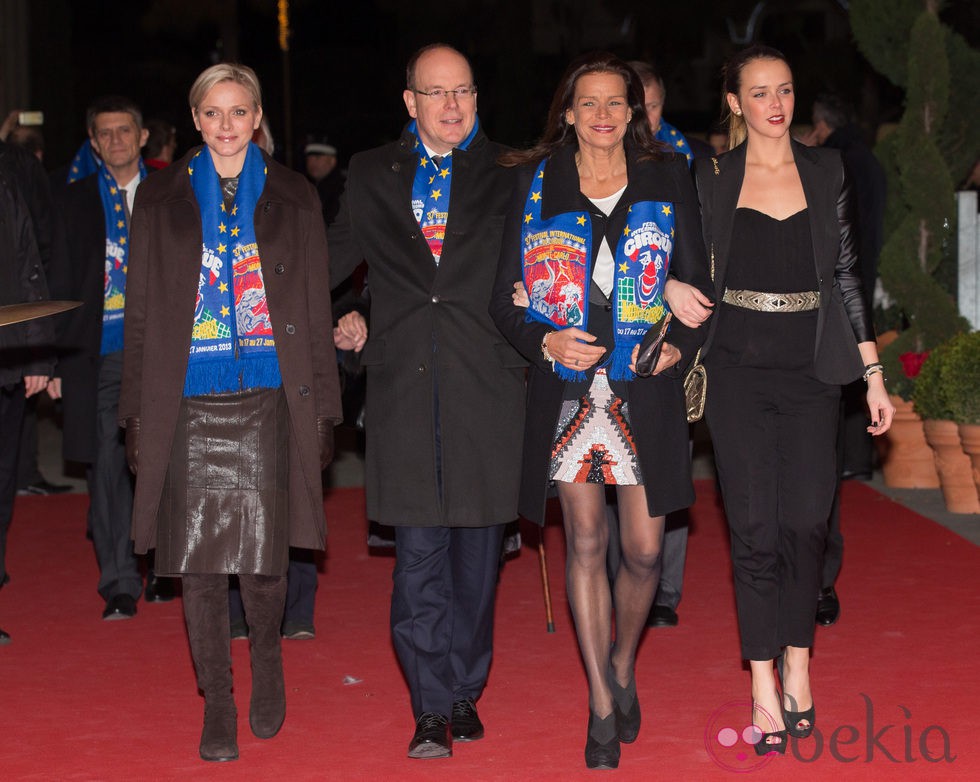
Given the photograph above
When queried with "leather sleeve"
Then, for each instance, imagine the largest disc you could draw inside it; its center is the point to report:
(846, 273)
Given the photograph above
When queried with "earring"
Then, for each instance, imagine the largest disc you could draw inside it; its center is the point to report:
(738, 113)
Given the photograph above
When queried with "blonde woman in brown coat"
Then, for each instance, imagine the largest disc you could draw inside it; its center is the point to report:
(230, 389)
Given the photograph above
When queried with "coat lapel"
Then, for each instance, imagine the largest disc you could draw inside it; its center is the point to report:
(728, 185)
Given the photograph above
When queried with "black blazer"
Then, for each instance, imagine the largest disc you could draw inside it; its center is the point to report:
(843, 319)
(656, 404)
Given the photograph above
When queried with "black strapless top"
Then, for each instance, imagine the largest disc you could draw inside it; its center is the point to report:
(773, 256)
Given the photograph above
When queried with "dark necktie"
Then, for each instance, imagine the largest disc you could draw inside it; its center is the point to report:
(437, 159)
(125, 202)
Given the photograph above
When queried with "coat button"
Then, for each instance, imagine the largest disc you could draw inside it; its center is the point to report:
(413, 236)
(280, 268)
(267, 207)
(396, 167)
(304, 390)
(290, 328)
(421, 369)
(435, 299)
(608, 307)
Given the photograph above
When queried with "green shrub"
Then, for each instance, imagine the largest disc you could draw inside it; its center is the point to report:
(961, 378)
(929, 397)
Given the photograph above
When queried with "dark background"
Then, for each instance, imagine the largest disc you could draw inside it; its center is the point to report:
(346, 59)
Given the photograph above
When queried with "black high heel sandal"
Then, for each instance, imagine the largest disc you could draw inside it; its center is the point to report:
(627, 720)
(794, 718)
(602, 744)
(763, 745)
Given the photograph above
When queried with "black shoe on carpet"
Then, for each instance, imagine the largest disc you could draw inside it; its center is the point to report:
(45, 487)
(295, 630)
(828, 607)
(466, 725)
(4, 637)
(239, 630)
(662, 616)
(119, 607)
(431, 739)
(159, 590)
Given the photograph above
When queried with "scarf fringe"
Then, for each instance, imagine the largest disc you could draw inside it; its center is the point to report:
(619, 367)
(569, 375)
(223, 376)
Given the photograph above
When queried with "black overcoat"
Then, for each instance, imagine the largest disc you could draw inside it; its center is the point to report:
(843, 319)
(656, 404)
(78, 274)
(161, 290)
(442, 383)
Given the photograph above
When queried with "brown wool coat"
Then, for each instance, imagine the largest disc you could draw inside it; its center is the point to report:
(161, 288)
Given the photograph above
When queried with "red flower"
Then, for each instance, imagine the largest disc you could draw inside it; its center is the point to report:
(912, 363)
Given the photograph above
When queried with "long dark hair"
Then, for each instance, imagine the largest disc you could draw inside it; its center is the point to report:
(731, 78)
(558, 133)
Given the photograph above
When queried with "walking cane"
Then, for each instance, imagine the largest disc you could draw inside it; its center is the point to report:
(543, 559)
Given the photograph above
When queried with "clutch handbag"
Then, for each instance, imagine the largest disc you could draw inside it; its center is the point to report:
(650, 347)
(695, 389)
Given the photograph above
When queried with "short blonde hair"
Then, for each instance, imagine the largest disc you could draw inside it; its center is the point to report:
(225, 71)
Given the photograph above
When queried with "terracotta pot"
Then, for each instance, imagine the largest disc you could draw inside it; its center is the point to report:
(970, 439)
(906, 458)
(954, 467)
(886, 338)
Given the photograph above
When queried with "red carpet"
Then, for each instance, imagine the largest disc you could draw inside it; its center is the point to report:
(83, 699)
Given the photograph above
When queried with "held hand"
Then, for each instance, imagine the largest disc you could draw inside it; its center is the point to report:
(54, 388)
(570, 347)
(34, 384)
(687, 303)
(669, 355)
(881, 408)
(351, 332)
(520, 297)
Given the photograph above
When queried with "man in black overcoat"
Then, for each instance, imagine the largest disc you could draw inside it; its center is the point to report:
(445, 391)
(90, 369)
(833, 127)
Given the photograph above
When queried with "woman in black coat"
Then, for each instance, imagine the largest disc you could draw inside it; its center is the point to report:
(599, 213)
(791, 327)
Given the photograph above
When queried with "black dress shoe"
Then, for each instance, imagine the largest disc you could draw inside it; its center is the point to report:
(662, 616)
(602, 744)
(119, 607)
(4, 638)
(855, 475)
(159, 589)
(46, 487)
(431, 739)
(298, 630)
(238, 630)
(828, 607)
(466, 722)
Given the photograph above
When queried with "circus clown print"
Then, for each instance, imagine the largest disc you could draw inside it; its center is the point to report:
(554, 261)
(644, 259)
(115, 278)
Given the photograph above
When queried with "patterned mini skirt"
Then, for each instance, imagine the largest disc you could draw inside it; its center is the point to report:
(594, 439)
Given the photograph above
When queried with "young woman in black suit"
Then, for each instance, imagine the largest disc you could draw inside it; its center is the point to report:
(790, 328)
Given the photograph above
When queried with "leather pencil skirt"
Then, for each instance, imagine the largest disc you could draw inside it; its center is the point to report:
(224, 507)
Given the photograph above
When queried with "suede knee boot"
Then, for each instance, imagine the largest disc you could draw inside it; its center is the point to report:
(265, 599)
(206, 614)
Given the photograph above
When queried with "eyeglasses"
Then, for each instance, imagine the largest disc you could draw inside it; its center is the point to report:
(460, 93)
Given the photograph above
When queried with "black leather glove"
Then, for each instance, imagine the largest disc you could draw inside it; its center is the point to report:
(133, 443)
(324, 436)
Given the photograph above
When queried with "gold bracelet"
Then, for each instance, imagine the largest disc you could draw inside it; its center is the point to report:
(544, 349)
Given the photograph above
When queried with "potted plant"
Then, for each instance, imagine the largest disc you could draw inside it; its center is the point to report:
(906, 458)
(932, 402)
(962, 378)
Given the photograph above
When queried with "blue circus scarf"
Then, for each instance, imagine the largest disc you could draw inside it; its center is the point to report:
(232, 344)
(671, 136)
(116, 259)
(431, 189)
(557, 273)
(84, 163)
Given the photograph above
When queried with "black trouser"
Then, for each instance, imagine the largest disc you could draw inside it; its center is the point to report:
(11, 414)
(110, 486)
(444, 585)
(774, 435)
